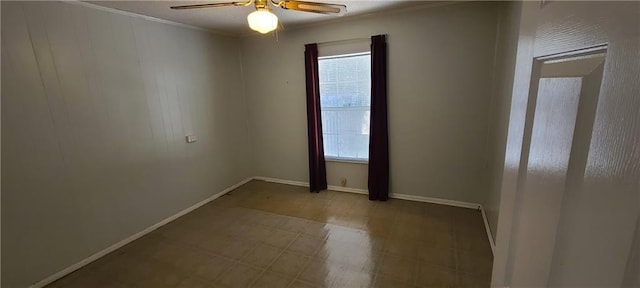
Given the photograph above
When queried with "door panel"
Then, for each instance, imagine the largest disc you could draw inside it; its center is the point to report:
(572, 216)
(560, 92)
(600, 216)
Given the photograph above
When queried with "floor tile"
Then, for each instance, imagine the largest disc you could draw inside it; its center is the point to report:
(289, 264)
(400, 269)
(162, 275)
(468, 280)
(382, 281)
(89, 280)
(302, 284)
(316, 229)
(437, 255)
(473, 264)
(436, 276)
(353, 278)
(236, 249)
(305, 245)
(213, 268)
(367, 262)
(193, 282)
(239, 275)
(128, 268)
(295, 225)
(270, 279)
(214, 243)
(280, 238)
(407, 249)
(438, 238)
(320, 273)
(478, 245)
(262, 256)
(275, 235)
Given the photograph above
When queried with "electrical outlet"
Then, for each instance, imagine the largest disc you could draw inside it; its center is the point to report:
(191, 138)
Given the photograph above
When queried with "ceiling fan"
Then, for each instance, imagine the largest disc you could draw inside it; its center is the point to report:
(263, 20)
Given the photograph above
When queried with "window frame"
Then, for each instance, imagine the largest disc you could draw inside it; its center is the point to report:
(345, 159)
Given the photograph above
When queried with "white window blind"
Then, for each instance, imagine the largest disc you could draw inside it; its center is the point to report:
(345, 102)
(344, 47)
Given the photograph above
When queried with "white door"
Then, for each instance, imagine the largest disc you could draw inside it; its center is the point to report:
(569, 211)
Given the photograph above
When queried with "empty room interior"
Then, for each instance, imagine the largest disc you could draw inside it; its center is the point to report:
(285, 143)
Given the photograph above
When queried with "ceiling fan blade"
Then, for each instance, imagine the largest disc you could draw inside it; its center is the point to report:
(315, 7)
(211, 5)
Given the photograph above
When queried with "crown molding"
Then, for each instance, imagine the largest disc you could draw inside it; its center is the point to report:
(145, 17)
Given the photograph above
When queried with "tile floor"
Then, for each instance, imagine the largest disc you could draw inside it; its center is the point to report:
(273, 235)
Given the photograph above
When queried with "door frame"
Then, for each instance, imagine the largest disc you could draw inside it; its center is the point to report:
(519, 115)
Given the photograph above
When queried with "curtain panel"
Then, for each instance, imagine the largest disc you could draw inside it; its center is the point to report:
(379, 135)
(317, 166)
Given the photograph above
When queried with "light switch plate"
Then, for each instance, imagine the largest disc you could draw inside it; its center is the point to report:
(191, 138)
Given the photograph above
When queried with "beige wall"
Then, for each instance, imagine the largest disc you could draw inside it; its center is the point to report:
(505, 58)
(95, 107)
(440, 86)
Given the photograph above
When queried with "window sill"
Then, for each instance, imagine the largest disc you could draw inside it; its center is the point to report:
(343, 160)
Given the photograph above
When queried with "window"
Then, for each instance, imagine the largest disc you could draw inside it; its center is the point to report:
(345, 102)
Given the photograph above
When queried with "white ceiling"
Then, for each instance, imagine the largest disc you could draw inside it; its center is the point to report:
(233, 20)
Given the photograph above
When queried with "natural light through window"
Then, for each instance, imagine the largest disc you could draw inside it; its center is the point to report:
(345, 102)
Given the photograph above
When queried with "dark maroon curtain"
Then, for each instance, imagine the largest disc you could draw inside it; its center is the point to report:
(317, 168)
(378, 135)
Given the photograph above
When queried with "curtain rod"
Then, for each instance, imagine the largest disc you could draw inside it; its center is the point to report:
(344, 40)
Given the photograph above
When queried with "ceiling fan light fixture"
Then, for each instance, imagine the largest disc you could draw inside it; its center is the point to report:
(262, 20)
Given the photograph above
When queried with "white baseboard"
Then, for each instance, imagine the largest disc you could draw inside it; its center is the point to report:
(281, 181)
(348, 189)
(364, 191)
(306, 184)
(133, 237)
(488, 228)
(436, 201)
